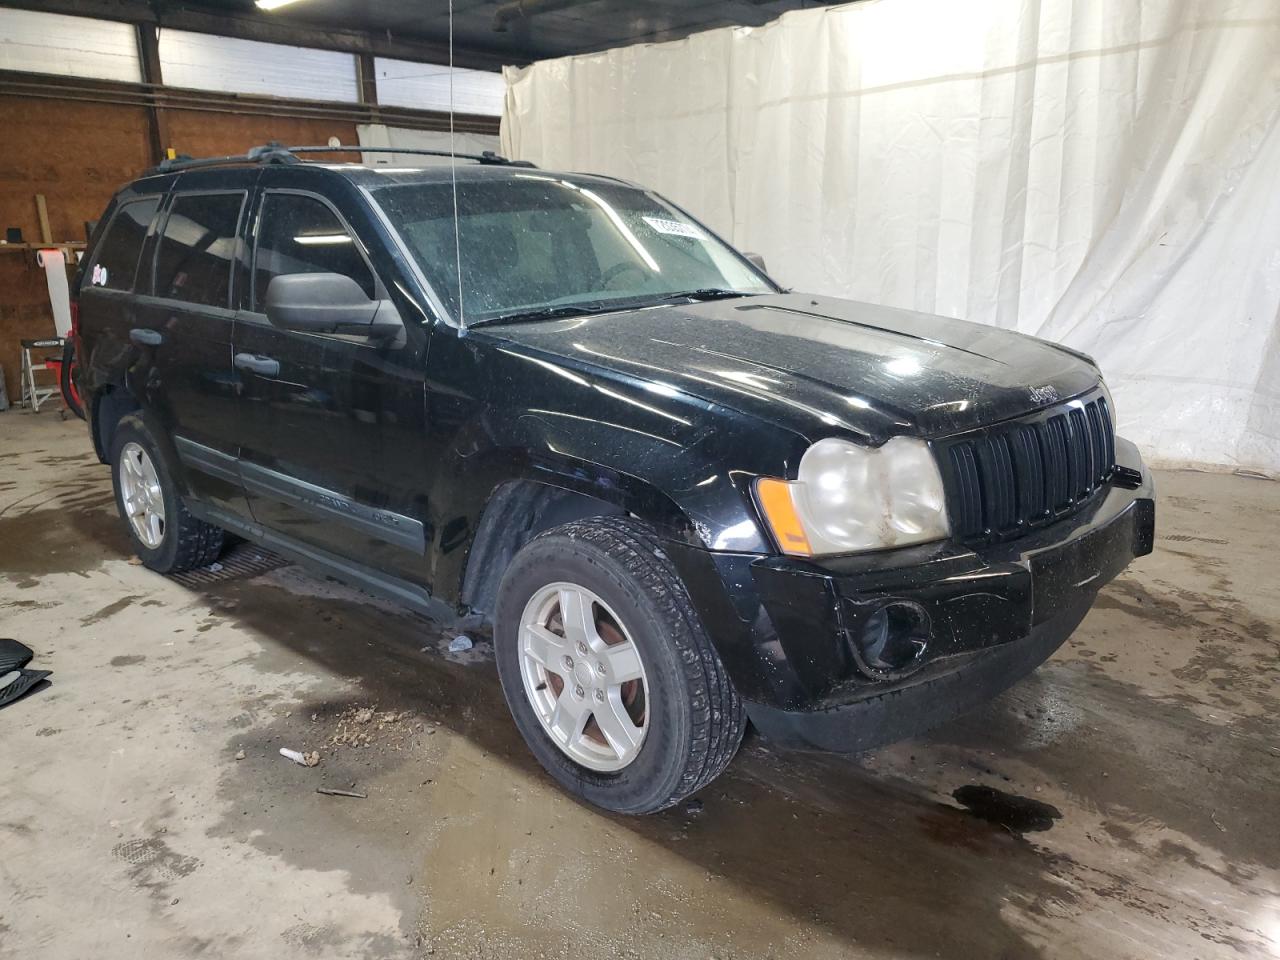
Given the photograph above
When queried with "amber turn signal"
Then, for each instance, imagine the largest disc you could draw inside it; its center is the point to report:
(779, 512)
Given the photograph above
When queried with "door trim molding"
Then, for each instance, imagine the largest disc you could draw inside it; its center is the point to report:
(394, 528)
(385, 525)
(207, 460)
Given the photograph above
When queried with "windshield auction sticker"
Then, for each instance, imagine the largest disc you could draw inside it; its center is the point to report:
(674, 228)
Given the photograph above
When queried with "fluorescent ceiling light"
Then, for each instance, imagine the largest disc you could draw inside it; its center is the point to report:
(272, 4)
(322, 239)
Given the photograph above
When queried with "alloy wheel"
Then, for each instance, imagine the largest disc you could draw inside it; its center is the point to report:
(584, 677)
(141, 494)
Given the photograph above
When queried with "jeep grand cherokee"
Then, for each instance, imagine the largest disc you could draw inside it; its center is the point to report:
(683, 496)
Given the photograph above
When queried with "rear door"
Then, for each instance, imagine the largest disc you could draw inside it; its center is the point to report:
(185, 322)
(108, 310)
(332, 426)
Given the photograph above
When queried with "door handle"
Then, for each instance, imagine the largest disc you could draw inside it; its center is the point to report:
(145, 338)
(264, 366)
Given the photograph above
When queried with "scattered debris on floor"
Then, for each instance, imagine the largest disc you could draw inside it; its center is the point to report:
(460, 644)
(361, 726)
(303, 759)
(330, 792)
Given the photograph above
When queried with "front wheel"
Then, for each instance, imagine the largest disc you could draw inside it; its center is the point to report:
(166, 536)
(608, 672)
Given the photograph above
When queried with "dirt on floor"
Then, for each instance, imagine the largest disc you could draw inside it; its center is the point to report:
(1120, 802)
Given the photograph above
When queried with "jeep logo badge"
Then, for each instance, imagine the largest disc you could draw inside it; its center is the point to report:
(1046, 394)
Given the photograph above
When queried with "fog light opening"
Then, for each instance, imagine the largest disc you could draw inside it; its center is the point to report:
(894, 638)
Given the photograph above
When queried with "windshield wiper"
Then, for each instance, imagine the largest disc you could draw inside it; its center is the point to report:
(557, 311)
(549, 313)
(705, 293)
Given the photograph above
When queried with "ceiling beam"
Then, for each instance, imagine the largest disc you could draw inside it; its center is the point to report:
(200, 19)
(18, 84)
(149, 60)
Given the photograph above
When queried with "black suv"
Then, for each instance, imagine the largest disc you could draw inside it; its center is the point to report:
(684, 497)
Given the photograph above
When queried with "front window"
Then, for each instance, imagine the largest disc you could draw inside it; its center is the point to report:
(535, 245)
(300, 234)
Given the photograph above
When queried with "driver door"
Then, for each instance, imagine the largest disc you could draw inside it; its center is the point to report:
(327, 420)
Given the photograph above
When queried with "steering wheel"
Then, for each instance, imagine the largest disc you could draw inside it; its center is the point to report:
(617, 270)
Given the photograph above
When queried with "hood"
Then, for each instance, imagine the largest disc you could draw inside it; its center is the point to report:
(822, 365)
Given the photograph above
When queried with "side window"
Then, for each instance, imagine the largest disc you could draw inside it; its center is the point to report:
(299, 234)
(197, 248)
(118, 251)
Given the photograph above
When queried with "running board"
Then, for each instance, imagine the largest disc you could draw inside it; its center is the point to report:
(410, 595)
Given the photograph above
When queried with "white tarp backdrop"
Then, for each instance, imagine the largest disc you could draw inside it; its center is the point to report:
(1105, 174)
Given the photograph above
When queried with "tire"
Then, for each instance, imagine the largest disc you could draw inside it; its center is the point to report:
(693, 720)
(183, 542)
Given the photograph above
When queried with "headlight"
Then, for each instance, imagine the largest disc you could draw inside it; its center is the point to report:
(848, 498)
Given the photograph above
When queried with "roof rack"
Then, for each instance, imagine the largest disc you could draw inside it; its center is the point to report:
(278, 153)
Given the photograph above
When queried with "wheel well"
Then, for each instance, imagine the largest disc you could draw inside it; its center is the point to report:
(516, 513)
(109, 406)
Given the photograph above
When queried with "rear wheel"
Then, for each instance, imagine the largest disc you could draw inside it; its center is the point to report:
(608, 672)
(166, 536)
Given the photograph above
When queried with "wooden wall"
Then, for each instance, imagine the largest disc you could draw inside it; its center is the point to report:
(77, 154)
(203, 134)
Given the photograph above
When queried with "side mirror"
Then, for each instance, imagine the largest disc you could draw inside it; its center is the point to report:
(328, 303)
(757, 261)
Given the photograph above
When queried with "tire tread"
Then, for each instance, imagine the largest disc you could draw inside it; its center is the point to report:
(719, 718)
(198, 544)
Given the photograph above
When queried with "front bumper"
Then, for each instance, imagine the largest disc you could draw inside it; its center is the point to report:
(793, 631)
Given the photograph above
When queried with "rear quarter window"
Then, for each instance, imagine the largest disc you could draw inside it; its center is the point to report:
(115, 263)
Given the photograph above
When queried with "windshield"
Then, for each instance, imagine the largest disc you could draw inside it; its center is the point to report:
(534, 245)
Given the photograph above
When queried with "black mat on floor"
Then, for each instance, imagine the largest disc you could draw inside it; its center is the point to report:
(13, 655)
(27, 680)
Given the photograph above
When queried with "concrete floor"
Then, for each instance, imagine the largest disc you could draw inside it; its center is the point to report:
(145, 812)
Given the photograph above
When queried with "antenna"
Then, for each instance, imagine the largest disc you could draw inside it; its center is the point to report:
(453, 171)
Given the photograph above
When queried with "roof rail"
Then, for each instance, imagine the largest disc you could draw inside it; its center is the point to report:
(269, 153)
(486, 157)
(278, 153)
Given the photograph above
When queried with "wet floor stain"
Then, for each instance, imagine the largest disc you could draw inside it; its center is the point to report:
(46, 541)
(110, 610)
(1016, 814)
